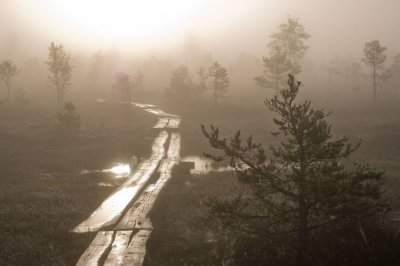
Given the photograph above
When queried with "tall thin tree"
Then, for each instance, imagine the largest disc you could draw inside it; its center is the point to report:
(61, 70)
(219, 80)
(374, 57)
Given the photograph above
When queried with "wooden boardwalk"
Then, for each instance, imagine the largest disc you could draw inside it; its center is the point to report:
(122, 219)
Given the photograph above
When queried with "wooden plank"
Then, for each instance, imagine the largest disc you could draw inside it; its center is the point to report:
(136, 251)
(137, 216)
(162, 122)
(112, 208)
(118, 247)
(173, 123)
(132, 217)
(96, 249)
(159, 112)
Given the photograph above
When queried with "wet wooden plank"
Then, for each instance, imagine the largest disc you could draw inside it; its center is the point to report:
(136, 251)
(112, 208)
(162, 122)
(96, 249)
(141, 105)
(159, 112)
(173, 123)
(118, 247)
(137, 216)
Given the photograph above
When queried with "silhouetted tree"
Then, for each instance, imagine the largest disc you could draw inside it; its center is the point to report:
(276, 68)
(68, 121)
(303, 187)
(374, 57)
(219, 80)
(8, 70)
(123, 85)
(61, 70)
(180, 84)
(290, 41)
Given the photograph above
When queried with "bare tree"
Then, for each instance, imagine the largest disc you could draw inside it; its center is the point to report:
(374, 57)
(8, 70)
(219, 80)
(61, 70)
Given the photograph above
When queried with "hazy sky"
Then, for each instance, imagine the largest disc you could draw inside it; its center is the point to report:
(221, 27)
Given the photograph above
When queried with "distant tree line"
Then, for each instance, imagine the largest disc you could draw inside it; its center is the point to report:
(182, 85)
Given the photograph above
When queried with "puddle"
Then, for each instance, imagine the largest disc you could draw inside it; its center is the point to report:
(142, 105)
(204, 165)
(103, 184)
(159, 112)
(111, 209)
(120, 170)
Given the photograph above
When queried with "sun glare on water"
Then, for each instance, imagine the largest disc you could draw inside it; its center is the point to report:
(128, 19)
(120, 170)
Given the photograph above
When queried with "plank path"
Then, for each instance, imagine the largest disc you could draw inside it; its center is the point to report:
(122, 219)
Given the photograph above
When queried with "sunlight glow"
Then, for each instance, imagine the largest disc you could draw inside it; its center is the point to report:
(128, 19)
(121, 170)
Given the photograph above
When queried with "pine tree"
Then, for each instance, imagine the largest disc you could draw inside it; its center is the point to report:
(374, 57)
(290, 40)
(276, 68)
(286, 48)
(219, 80)
(304, 187)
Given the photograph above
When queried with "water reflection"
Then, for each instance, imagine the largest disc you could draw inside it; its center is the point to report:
(111, 209)
(103, 184)
(120, 170)
(204, 165)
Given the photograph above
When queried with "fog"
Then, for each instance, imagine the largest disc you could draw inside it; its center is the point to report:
(226, 28)
(138, 132)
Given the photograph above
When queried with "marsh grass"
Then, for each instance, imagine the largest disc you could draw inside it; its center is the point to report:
(42, 193)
